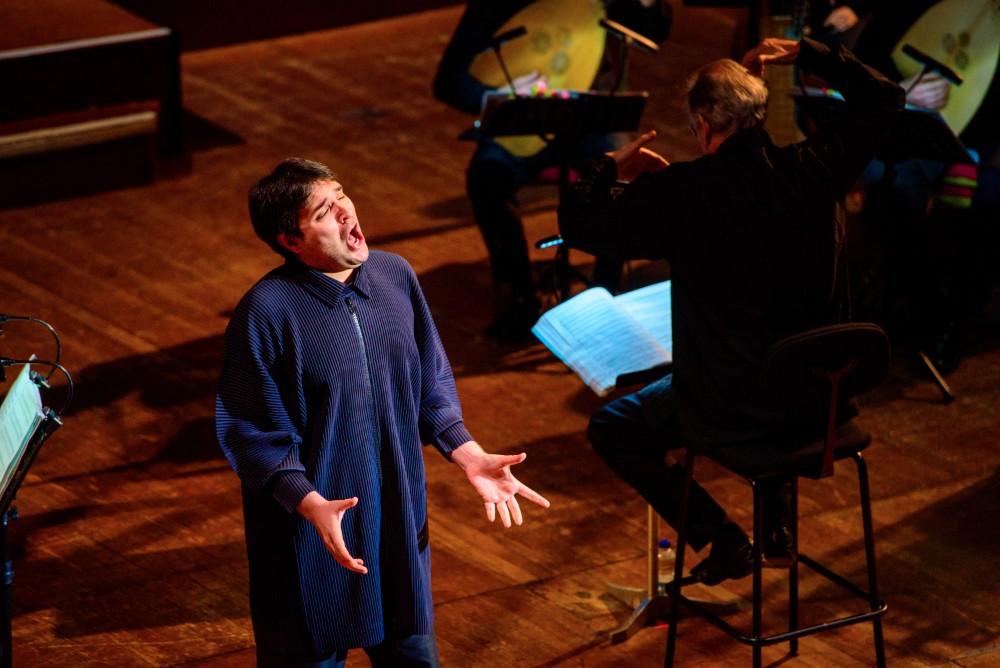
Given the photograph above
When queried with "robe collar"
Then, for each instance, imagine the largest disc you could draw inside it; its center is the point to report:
(328, 290)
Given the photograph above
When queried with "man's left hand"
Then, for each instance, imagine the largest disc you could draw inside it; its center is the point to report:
(490, 475)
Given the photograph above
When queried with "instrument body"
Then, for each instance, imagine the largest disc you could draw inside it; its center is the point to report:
(964, 35)
(564, 43)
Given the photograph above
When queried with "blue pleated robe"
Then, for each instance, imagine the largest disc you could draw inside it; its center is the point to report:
(334, 387)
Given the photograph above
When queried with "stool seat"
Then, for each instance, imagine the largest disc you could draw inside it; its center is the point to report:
(761, 460)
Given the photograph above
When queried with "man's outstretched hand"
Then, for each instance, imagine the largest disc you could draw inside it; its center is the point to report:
(634, 158)
(491, 477)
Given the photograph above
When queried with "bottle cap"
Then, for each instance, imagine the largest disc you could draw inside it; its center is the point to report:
(664, 543)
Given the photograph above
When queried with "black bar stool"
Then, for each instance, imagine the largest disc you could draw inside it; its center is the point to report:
(812, 374)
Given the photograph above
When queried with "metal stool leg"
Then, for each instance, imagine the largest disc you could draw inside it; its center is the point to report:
(675, 587)
(866, 516)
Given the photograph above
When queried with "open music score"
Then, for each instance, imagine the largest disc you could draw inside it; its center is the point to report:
(20, 415)
(611, 341)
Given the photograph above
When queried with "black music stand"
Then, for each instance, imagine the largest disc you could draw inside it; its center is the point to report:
(653, 602)
(560, 120)
(573, 331)
(39, 430)
(918, 133)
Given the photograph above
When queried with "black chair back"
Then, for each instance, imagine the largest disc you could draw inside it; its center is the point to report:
(822, 368)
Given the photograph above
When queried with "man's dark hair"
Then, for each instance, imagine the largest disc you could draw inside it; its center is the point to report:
(275, 200)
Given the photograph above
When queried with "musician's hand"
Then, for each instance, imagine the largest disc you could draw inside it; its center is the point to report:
(525, 84)
(930, 91)
(841, 19)
(771, 51)
(634, 159)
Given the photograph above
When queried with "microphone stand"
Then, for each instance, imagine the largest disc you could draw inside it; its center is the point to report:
(495, 43)
(931, 65)
(561, 271)
(629, 38)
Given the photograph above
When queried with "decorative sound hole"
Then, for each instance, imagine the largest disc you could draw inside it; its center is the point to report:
(542, 42)
(955, 46)
(559, 63)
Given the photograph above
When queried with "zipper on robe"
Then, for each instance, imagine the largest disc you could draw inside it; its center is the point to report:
(369, 388)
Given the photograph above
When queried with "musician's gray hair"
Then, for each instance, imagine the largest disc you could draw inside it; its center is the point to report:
(728, 96)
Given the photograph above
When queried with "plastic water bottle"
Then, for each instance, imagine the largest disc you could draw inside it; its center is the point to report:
(665, 560)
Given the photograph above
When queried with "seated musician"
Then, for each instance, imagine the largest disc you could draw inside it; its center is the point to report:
(754, 237)
(940, 252)
(495, 173)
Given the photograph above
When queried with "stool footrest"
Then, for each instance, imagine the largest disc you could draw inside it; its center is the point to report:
(777, 638)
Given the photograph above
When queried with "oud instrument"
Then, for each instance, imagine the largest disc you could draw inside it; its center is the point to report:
(563, 42)
(963, 35)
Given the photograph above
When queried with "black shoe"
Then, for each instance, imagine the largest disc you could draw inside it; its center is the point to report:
(778, 539)
(778, 552)
(725, 563)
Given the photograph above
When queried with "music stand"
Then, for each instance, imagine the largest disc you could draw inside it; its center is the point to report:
(578, 332)
(917, 133)
(24, 434)
(560, 120)
(654, 601)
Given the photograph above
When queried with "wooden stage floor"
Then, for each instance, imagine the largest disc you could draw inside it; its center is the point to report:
(129, 548)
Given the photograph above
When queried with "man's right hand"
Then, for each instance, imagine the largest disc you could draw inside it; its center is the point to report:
(771, 51)
(326, 517)
(929, 91)
(634, 158)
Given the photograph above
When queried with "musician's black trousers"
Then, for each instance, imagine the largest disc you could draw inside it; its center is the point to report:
(493, 179)
(633, 435)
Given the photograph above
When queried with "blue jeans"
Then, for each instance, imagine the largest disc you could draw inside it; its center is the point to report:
(417, 651)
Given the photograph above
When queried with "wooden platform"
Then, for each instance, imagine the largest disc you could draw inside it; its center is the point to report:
(129, 549)
(74, 73)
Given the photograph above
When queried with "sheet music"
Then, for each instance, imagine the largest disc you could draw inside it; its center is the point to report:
(650, 306)
(601, 337)
(20, 414)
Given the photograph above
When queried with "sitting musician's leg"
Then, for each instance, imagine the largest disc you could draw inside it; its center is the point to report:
(896, 210)
(971, 273)
(492, 182)
(633, 436)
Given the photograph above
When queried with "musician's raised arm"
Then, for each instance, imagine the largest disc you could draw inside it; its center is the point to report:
(753, 235)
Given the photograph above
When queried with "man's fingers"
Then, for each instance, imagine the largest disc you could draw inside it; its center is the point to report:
(510, 460)
(491, 511)
(504, 514)
(532, 495)
(356, 565)
(515, 510)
